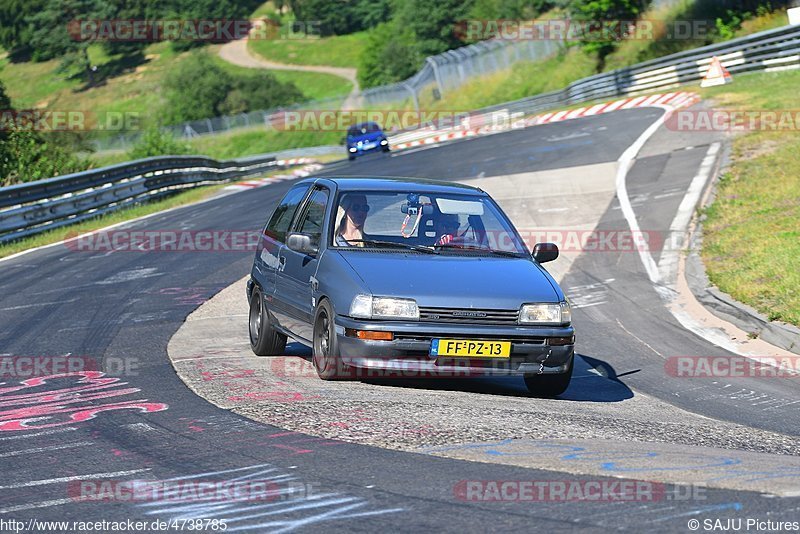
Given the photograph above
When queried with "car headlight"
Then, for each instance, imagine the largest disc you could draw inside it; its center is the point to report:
(545, 313)
(367, 307)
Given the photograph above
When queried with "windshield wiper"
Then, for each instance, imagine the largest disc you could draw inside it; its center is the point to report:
(457, 246)
(409, 246)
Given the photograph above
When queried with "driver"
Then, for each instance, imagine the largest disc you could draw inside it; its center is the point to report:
(351, 225)
(446, 227)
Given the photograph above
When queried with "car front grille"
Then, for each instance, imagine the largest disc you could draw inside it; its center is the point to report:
(468, 316)
(426, 338)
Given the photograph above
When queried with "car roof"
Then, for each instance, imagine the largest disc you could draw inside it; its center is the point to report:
(384, 183)
(362, 124)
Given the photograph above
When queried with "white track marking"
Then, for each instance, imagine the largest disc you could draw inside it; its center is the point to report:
(625, 161)
(25, 306)
(34, 505)
(93, 476)
(46, 449)
(668, 263)
(666, 288)
(42, 433)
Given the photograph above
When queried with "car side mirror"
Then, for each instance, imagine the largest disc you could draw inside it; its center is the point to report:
(301, 243)
(544, 252)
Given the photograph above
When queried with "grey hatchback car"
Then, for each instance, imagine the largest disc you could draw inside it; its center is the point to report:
(408, 278)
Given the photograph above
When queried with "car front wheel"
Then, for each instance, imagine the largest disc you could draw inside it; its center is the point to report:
(549, 385)
(326, 347)
(264, 340)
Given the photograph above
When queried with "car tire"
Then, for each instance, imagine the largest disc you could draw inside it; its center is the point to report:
(351, 158)
(264, 340)
(325, 357)
(549, 385)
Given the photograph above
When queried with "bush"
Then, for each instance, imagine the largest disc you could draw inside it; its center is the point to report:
(199, 88)
(259, 90)
(154, 142)
(27, 155)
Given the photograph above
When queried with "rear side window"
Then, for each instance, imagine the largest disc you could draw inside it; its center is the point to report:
(314, 216)
(279, 223)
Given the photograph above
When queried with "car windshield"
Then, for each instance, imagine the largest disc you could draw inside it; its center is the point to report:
(464, 224)
(361, 129)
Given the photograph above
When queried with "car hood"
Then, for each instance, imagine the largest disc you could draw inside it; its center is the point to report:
(455, 281)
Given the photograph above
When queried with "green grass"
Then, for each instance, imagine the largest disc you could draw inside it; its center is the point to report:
(136, 90)
(38, 85)
(336, 51)
(751, 239)
(259, 141)
(638, 50)
(315, 86)
(524, 79)
(56, 235)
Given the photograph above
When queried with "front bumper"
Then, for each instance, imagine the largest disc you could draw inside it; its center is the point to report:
(361, 150)
(409, 352)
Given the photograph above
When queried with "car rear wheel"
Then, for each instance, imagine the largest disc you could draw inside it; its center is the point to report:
(326, 358)
(264, 340)
(549, 385)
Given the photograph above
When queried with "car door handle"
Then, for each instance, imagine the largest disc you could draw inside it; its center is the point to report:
(281, 263)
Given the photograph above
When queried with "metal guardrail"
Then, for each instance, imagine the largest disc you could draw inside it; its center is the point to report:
(770, 50)
(34, 207)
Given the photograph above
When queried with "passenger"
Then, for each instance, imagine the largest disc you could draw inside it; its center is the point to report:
(350, 230)
(446, 227)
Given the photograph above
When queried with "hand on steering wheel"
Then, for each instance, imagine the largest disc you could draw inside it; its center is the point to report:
(449, 238)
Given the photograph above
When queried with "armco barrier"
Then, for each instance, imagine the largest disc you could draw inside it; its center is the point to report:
(34, 207)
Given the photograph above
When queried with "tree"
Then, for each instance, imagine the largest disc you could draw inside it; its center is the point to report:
(340, 17)
(195, 89)
(53, 35)
(613, 11)
(388, 57)
(15, 29)
(433, 24)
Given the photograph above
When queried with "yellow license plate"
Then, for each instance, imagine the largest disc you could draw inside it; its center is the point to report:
(467, 348)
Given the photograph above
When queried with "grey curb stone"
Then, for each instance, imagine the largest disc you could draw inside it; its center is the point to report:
(724, 306)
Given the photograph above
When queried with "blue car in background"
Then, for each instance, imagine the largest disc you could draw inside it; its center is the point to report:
(365, 137)
(408, 278)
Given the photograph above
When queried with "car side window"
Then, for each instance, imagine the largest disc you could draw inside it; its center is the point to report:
(313, 217)
(279, 223)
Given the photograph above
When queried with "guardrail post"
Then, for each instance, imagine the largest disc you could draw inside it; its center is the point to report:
(413, 96)
(436, 74)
